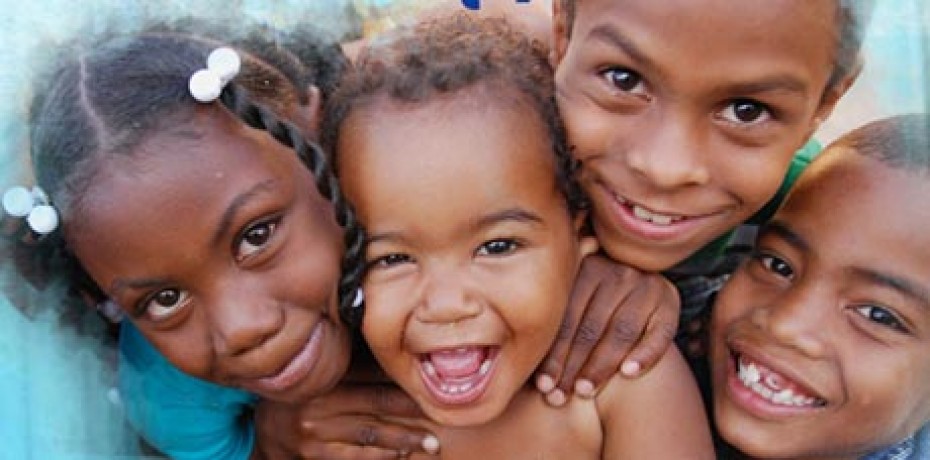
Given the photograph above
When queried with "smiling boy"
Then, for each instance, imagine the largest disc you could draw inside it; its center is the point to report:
(819, 343)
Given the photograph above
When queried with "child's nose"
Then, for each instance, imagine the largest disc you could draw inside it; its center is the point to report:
(242, 319)
(668, 153)
(799, 319)
(446, 298)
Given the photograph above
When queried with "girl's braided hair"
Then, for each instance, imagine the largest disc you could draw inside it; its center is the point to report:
(102, 101)
(448, 54)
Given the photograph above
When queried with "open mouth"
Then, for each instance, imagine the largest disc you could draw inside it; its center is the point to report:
(773, 387)
(459, 375)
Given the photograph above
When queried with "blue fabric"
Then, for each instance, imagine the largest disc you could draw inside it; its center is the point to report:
(916, 447)
(182, 416)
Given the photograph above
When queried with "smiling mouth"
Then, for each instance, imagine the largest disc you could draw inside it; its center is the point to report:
(646, 215)
(297, 368)
(460, 375)
(772, 386)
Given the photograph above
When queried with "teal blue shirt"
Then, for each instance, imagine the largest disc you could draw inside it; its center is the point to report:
(183, 417)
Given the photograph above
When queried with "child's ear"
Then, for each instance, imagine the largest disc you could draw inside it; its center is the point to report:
(308, 115)
(835, 92)
(560, 31)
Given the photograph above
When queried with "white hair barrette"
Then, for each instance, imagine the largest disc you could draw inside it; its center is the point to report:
(223, 65)
(359, 299)
(33, 205)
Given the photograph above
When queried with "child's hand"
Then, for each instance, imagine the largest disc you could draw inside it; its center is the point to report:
(343, 424)
(616, 314)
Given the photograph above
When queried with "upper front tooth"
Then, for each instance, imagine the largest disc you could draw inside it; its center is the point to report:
(642, 213)
(661, 220)
(752, 373)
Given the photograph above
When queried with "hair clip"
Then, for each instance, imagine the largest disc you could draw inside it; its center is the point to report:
(111, 311)
(223, 65)
(34, 205)
(359, 298)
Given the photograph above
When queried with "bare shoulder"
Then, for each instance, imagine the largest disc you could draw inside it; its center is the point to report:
(640, 416)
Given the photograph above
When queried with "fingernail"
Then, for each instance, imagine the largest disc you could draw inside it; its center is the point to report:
(584, 388)
(556, 398)
(630, 368)
(431, 444)
(545, 383)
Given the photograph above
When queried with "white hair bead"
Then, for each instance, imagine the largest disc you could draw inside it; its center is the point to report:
(18, 201)
(43, 219)
(205, 85)
(359, 298)
(225, 63)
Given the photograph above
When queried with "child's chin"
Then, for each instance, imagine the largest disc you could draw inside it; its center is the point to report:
(474, 415)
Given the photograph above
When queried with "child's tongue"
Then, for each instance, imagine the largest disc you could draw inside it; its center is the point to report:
(460, 362)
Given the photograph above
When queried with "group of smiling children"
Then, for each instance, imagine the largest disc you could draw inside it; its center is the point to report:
(495, 198)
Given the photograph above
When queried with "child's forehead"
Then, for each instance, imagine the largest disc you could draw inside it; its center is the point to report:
(681, 16)
(875, 209)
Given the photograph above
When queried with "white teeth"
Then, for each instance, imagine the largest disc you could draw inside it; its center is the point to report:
(644, 214)
(748, 374)
(429, 368)
(661, 220)
(485, 367)
(455, 389)
(770, 389)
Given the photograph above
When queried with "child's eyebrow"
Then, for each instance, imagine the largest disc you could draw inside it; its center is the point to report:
(894, 282)
(781, 83)
(235, 205)
(120, 284)
(610, 36)
(512, 214)
(782, 230)
(897, 283)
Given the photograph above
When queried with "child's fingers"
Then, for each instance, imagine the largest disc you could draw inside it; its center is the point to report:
(622, 331)
(550, 371)
(362, 437)
(660, 330)
(605, 335)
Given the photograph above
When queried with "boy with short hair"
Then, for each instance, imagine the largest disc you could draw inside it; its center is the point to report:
(687, 118)
(819, 343)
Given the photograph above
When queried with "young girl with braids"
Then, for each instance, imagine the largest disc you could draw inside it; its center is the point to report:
(165, 189)
(448, 143)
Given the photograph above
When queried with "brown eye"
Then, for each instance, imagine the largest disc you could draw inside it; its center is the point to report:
(776, 265)
(165, 303)
(497, 247)
(624, 79)
(746, 112)
(255, 238)
(881, 316)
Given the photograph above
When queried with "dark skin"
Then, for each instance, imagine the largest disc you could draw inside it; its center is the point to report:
(618, 318)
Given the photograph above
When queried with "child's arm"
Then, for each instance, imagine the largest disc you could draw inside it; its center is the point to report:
(346, 423)
(659, 415)
(616, 314)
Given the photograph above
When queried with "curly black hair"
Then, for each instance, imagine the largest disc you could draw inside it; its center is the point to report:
(450, 54)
